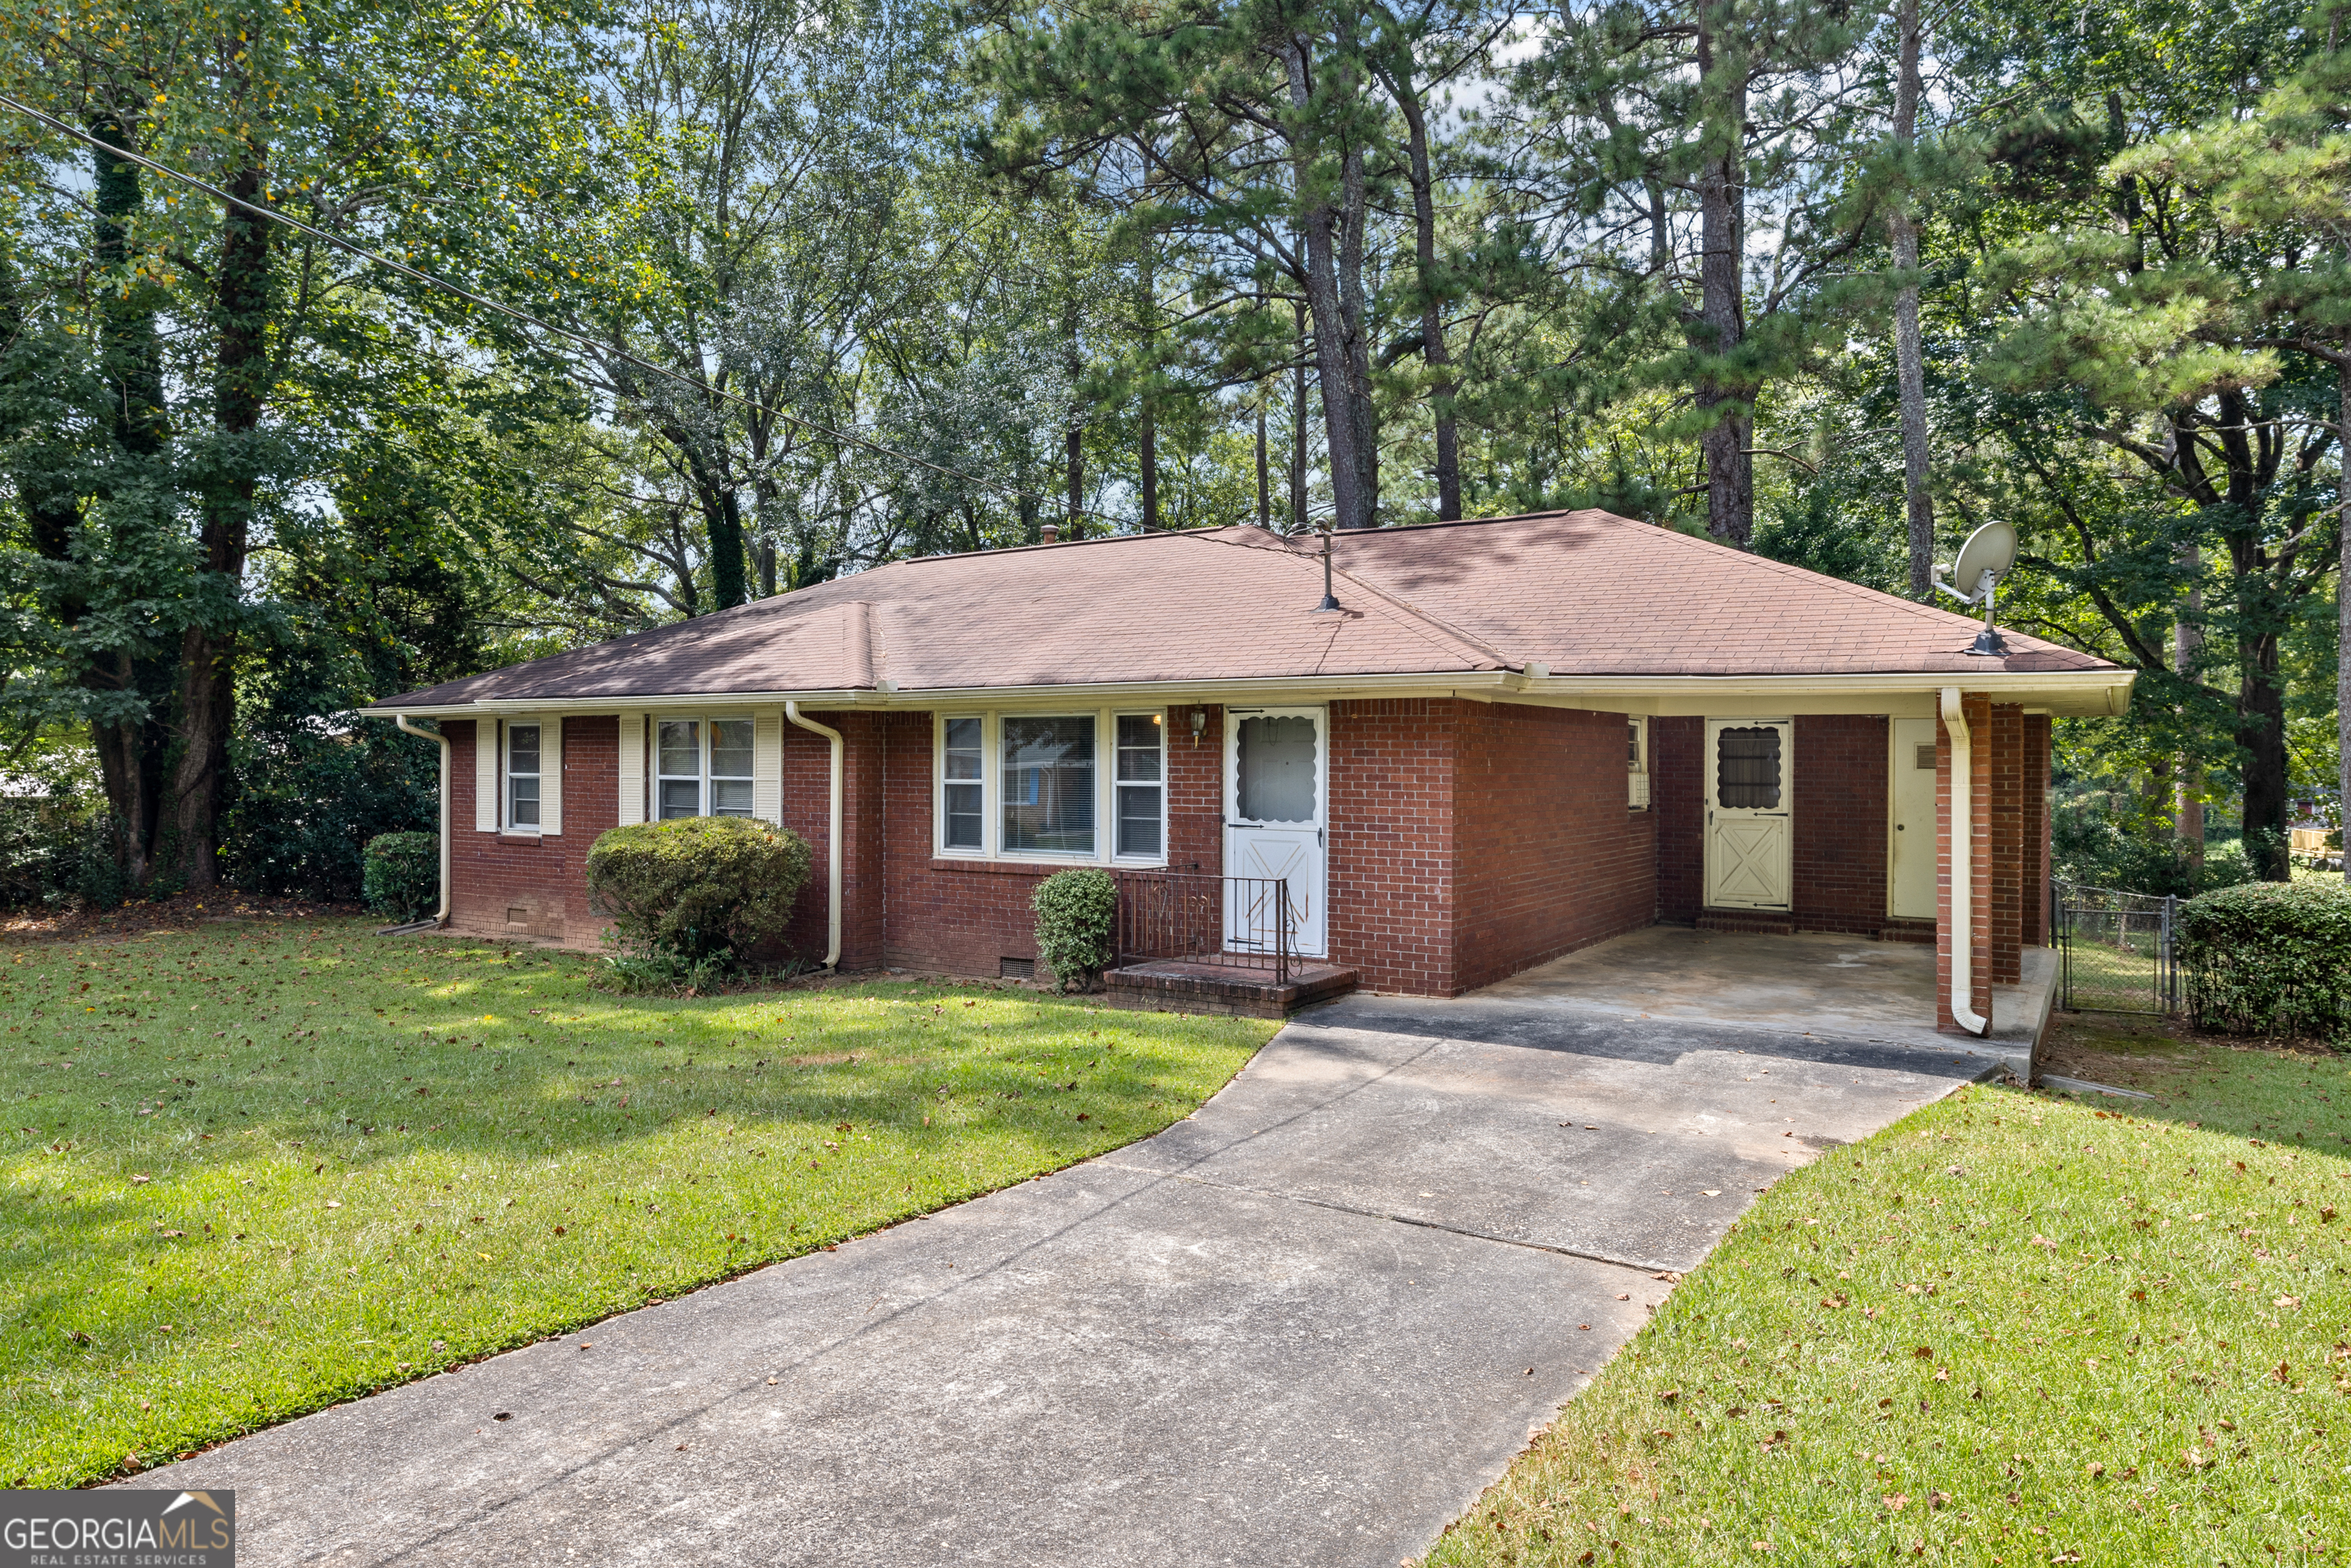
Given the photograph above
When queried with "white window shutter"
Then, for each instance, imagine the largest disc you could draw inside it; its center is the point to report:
(768, 768)
(633, 768)
(485, 775)
(550, 776)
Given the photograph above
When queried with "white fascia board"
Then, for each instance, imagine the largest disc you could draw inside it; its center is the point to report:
(2081, 693)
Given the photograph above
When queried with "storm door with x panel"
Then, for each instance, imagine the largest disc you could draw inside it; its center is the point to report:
(1748, 828)
(1276, 791)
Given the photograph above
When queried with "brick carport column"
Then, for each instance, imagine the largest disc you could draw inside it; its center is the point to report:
(2009, 866)
(2036, 830)
(1977, 711)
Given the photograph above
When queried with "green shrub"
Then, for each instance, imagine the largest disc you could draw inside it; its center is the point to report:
(1076, 914)
(697, 887)
(2269, 958)
(400, 875)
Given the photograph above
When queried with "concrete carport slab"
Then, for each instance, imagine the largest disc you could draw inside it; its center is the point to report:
(1305, 1326)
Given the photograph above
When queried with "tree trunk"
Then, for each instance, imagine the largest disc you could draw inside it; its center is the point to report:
(1147, 444)
(206, 709)
(728, 584)
(1721, 324)
(131, 752)
(1433, 351)
(1264, 478)
(2187, 649)
(1330, 326)
(1074, 438)
(1909, 358)
(1298, 422)
(1363, 413)
(2261, 731)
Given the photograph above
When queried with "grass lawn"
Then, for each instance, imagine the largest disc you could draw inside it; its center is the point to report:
(251, 1170)
(2012, 1328)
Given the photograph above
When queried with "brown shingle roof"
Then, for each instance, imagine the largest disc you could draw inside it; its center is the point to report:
(1585, 592)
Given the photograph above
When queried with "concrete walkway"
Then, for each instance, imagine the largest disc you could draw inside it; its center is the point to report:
(1305, 1326)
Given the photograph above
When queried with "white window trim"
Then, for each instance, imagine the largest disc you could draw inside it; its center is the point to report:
(1637, 798)
(1113, 818)
(507, 775)
(707, 726)
(991, 787)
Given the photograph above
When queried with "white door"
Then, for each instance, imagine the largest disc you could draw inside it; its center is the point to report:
(1910, 868)
(1748, 824)
(1277, 784)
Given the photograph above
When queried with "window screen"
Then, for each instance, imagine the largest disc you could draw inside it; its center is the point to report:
(680, 767)
(1139, 783)
(522, 774)
(1048, 784)
(1925, 759)
(1277, 769)
(730, 768)
(959, 770)
(1747, 768)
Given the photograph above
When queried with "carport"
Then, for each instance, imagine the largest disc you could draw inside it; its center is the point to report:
(1826, 985)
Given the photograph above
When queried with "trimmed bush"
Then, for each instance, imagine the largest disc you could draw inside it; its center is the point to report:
(1077, 912)
(400, 875)
(697, 887)
(2269, 958)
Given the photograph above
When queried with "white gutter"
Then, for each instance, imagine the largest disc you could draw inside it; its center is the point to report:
(441, 916)
(1963, 882)
(833, 843)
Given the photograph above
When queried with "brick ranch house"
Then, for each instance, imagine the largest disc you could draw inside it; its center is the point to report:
(1513, 739)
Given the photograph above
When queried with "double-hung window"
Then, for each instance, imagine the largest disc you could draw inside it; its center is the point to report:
(522, 776)
(1062, 787)
(702, 767)
(1142, 787)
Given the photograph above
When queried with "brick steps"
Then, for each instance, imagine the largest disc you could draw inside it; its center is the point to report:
(1175, 986)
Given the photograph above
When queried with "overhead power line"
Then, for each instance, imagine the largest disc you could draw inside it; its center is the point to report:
(588, 344)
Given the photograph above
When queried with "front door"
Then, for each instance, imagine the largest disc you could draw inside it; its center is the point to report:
(1911, 871)
(1277, 787)
(1748, 822)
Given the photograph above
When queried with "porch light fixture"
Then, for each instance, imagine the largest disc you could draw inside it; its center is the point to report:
(1330, 600)
(1199, 724)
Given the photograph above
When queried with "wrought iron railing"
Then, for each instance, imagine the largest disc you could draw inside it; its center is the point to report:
(1233, 922)
(2116, 949)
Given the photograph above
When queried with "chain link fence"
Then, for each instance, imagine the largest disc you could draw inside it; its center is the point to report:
(2116, 949)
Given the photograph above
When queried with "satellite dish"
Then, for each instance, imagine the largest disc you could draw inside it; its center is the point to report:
(1983, 560)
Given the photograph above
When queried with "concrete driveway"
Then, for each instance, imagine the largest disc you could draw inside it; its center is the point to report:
(1305, 1326)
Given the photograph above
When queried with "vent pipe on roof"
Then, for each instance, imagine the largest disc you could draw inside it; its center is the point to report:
(1330, 600)
(1048, 533)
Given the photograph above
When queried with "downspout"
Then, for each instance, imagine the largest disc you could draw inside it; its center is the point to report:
(1963, 880)
(440, 916)
(833, 843)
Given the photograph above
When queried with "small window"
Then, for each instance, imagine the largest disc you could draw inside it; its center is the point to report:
(678, 783)
(1633, 745)
(730, 768)
(1276, 768)
(960, 753)
(1637, 763)
(522, 776)
(1747, 768)
(1140, 785)
(1048, 785)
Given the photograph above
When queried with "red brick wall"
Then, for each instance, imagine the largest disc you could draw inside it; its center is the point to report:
(530, 885)
(1392, 846)
(2036, 830)
(2008, 869)
(1678, 800)
(1839, 800)
(1549, 855)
